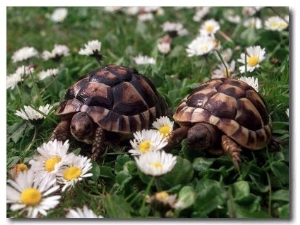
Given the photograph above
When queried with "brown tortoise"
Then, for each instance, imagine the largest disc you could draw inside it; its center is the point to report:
(223, 112)
(108, 101)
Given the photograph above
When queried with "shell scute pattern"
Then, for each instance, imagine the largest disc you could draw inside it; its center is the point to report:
(117, 98)
(231, 105)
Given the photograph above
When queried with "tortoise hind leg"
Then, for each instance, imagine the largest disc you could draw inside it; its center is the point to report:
(231, 148)
(61, 131)
(98, 143)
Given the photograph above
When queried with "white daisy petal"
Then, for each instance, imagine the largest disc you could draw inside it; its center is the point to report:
(155, 163)
(31, 195)
(82, 213)
(147, 140)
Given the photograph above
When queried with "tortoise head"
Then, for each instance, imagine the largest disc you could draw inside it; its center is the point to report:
(203, 136)
(82, 127)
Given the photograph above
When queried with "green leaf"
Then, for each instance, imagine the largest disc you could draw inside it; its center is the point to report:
(16, 131)
(281, 171)
(245, 213)
(116, 207)
(182, 173)
(201, 164)
(122, 178)
(281, 195)
(240, 189)
(95, 171)
(186, 197)
(120, 161)
(284, 211)
(105, 171)
(12, 161)
(209, 196)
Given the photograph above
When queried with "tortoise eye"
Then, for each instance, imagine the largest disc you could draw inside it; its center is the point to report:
(88, 127)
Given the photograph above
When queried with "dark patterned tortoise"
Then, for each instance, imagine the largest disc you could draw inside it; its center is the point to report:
(108, 101)
(226, 113)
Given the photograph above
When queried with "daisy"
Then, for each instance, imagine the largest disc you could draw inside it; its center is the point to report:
(225, 54)
(172, 28)
(24, 71)
(47, 73)
(255, 54)
(209, 27)
(164, 125)
(200, 13)
(75, 169)
(162, 197)
(24, 54)
(230, 15)
(147, 140)
(145, 16)
(57, 52)
(249, 11)
(50, 158)
(252, 81)
(16, 169)
(35, 196)
(164, 47)
(132, 11)
(31, 114)
(201, 45)
(82, 213)
(141, 60)
(12, 80)
(59, 15)
(91, 48)
(275, 23)
(221, 71)
(254, 22)
(155, 163)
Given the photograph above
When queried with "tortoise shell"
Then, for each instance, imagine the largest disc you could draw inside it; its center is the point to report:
(117, 98)
(231, 105)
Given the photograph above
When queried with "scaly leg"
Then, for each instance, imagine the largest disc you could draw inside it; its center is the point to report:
(232, 149)
(61, 131)
(98, 143)
(175, 137)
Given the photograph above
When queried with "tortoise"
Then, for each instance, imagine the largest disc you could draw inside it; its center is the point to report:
(223, 116)
(108, 105)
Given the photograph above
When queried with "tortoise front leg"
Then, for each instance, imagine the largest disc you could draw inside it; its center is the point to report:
(175, 137)
(98, 143)
(61, 131)
(231, 148)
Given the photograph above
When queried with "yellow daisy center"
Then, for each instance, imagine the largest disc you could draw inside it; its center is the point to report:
(72, 173)
(31, 196)
(163, 195)
(50, 163)
(274, 24)
(164, 130)
(253, 61)
(21, 167)
(145, 146)
(209, 28)
(157, 165)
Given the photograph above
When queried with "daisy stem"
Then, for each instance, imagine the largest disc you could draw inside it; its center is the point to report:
(48, 85)
(222, 60)
(157, 184)
(143, 211)
(225, 36)
(33, 138)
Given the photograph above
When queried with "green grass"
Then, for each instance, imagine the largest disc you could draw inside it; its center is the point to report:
(211, 186)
